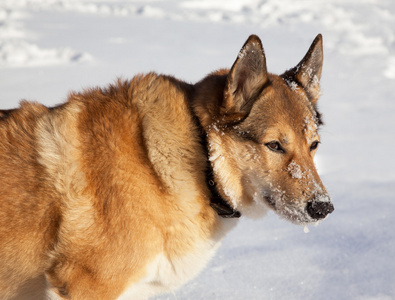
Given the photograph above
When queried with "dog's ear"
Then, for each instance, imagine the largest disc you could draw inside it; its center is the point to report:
(308, 72)
(246, 79)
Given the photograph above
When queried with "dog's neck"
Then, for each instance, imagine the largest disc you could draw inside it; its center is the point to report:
(217, 202)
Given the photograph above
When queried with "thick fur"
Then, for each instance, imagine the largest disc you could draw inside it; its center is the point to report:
(108, 192)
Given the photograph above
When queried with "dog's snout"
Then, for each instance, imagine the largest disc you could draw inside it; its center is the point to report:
(319, 209)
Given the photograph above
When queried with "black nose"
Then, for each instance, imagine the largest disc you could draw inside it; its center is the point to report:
(319, 209)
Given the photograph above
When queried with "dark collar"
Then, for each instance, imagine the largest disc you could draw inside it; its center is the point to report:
(219, 204)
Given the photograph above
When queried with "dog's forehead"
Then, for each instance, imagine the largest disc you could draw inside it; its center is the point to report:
(281, 108)
(284, 100)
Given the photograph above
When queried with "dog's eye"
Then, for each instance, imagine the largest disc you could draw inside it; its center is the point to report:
(275, 146)
(314, 145)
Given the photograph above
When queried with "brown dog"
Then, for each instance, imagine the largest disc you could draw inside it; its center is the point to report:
(132, 187)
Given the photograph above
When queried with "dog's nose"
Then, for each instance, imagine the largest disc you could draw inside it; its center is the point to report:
(319, 209)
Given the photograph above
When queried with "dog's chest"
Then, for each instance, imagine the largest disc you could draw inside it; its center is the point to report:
(166, 273)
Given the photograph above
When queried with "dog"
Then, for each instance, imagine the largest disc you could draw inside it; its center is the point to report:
(125, 192)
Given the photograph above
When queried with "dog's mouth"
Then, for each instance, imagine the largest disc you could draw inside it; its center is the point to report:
(312, 211)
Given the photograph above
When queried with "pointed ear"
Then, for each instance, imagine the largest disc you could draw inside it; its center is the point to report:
(246, 78)
(308, 72)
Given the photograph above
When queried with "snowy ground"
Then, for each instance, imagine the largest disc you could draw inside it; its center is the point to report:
(49, 47)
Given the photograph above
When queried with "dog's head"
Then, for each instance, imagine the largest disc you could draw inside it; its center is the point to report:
(262, 132)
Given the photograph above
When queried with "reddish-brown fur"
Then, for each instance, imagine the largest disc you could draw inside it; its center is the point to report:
(109, 190)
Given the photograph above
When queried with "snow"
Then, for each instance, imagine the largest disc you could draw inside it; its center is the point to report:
(49, 47)
(295, 170)
(292, 84)
(16, 49)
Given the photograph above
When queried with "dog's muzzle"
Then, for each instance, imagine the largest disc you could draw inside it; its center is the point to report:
(319, 209)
